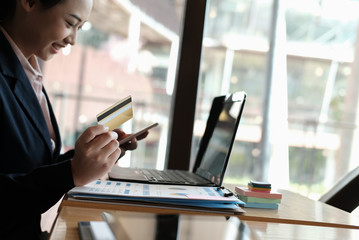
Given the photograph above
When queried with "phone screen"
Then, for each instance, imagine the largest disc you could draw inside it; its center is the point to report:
(133, 135)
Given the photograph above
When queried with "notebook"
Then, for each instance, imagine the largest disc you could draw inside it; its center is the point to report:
(213, 152)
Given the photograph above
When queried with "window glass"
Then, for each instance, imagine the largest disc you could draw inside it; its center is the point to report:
(126, 48)
(234, 59)
(322, 85)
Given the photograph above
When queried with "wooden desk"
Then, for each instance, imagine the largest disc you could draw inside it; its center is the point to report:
(66, 228)
(275, 231)
(297, 209)
(294, 209)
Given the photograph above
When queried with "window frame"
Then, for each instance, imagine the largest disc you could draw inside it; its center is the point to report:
(184, 98)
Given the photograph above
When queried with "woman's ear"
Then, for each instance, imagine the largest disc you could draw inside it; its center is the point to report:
(28, 5)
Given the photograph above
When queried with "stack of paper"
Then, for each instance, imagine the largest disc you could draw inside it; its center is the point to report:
(209, 198)
(259, 195)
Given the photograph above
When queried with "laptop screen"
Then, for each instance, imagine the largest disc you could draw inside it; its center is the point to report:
(216, 155)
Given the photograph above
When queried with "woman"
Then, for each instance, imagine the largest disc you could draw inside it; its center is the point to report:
(33, 173)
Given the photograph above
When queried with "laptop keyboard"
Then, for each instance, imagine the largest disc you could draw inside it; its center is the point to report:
(172, 176)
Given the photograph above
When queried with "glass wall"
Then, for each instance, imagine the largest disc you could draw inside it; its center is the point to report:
(131, 48)
(322, 95)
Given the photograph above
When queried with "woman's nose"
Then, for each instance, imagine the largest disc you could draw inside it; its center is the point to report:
(71, 39)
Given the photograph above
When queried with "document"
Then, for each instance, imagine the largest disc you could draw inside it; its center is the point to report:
(194, 196)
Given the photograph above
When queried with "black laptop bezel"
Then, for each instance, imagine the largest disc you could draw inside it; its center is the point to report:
(216, 109)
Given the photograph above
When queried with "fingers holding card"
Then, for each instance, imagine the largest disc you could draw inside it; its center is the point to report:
(118, 114)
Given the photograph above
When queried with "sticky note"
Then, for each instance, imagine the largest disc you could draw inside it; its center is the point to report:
(262, 205)
(247, 192)
(258, 200)
(117, 114)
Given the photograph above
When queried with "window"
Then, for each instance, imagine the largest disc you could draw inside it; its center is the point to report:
(127, 48)
(322, 86)
(132, 48)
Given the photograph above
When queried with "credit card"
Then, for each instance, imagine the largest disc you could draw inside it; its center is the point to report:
(117, 114)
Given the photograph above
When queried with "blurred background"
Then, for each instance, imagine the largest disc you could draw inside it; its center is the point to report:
(297, 62)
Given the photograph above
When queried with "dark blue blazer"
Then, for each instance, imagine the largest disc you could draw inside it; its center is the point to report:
(32, 177)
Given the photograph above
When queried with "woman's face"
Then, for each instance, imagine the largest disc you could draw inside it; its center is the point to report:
(50, 30)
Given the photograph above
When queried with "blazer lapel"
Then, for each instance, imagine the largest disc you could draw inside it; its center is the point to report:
(54, 124)
(31, 106)
(22, 89)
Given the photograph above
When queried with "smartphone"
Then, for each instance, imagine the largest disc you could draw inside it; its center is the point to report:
(134, 135)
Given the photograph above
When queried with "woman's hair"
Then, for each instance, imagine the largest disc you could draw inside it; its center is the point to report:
(7, 7)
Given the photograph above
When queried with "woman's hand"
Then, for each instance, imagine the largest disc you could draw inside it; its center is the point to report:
(96, 151)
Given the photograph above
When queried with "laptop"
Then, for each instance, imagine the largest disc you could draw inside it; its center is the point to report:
(213, 152)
